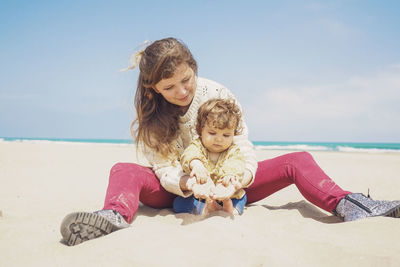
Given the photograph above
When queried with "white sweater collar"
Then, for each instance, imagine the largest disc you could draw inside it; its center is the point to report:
(194, 106)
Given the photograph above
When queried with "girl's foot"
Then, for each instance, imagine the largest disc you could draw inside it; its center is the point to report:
(228, 206)
(211, 206)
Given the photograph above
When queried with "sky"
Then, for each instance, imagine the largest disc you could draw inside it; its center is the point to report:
(318, 71)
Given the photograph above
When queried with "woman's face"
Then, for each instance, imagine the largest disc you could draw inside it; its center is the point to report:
(180, 88)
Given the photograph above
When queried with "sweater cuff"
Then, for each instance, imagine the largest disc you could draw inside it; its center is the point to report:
(247, 174)
(171, 183)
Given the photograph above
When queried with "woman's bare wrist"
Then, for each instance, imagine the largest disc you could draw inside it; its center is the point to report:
(183, 182)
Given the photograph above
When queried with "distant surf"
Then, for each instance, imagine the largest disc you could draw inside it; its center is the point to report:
(329, 146)
(67, 140)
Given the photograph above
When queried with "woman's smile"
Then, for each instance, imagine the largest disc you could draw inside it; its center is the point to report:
(183, 99)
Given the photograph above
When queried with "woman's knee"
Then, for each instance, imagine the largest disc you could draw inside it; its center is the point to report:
(299, 157)
(302, 154)
(121, 166)
(131, 170)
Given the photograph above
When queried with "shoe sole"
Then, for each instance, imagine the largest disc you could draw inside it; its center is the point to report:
(395, 213)
(78, 227)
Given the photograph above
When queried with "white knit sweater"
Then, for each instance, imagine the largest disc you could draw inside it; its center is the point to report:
(170, 171)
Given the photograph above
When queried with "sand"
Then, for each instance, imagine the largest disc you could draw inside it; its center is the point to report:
(42, 182)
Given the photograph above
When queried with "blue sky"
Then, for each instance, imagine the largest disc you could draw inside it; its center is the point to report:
(302, 70)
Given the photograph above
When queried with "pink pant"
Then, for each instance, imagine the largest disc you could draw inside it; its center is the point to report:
(130, 183)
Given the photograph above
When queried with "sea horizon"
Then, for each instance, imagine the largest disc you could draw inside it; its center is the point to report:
(372, 147)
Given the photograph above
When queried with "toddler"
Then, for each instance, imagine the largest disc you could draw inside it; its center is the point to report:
(214, 155)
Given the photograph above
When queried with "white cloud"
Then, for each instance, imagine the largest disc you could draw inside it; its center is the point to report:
(362, 108)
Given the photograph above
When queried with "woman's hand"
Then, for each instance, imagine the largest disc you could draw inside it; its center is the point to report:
(199, 171)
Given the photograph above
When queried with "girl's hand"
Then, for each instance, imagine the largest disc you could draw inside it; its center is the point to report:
(190, 183)
(199, 171)
(203, 191)
(222, 192)
(230, 180)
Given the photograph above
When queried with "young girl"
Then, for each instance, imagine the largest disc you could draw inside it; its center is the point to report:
(215, 155)
(168, 96)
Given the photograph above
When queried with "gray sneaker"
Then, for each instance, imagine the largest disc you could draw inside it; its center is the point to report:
(78, 227)
(357, 206)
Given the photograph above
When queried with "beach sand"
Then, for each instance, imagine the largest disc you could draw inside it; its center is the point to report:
(42, 182)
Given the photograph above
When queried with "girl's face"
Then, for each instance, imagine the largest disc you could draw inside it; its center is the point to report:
(180, 88)
(216, 140)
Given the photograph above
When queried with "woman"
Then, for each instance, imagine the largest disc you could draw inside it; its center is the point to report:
(168, 96)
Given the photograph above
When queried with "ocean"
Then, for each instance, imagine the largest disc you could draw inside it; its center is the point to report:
(329, 146)
(259, 145)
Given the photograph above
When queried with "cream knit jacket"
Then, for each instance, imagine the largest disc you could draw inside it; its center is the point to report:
(169, 171)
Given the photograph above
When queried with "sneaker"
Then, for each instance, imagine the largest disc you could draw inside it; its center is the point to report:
(358, 206)
(78, 227)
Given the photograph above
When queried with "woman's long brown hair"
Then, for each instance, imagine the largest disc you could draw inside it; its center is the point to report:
(156, 124)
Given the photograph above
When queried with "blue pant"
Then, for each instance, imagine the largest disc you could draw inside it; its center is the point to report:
(196, 206)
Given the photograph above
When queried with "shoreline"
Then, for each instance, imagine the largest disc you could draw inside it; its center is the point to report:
(346, 147)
